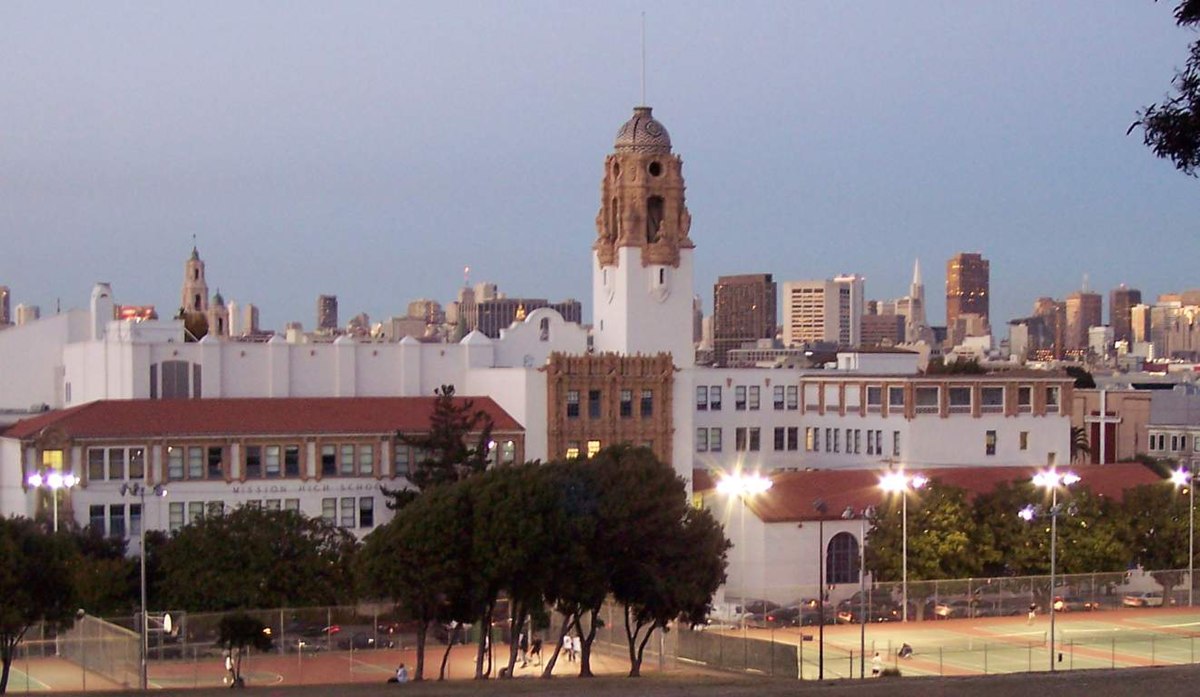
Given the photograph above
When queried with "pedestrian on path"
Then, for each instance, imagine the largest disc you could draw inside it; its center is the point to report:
(1032, 613)
(876, 665)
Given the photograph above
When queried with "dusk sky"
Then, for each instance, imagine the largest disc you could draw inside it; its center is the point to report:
(373, 149)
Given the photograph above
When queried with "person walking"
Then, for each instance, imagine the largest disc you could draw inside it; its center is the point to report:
(1032, 613)
(876, 665)
(567, 645)
(576, 648)
(523, 645)
(535, 649)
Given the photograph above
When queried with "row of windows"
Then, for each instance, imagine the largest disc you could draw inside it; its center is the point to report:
(747, 397)
(180, 513)
(625, 409)
(1177, 442)
(747, 439)
(854, 441)
(927, 399)
(200, 462)
(116, 464)
(349, 512)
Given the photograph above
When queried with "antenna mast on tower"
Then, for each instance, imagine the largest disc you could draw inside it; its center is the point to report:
(643, 58)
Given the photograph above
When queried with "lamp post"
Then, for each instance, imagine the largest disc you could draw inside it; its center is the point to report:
(1183, 477)
(743, 486)
(848, 514)
(53, 481)
(1051, 479)
(139, 490)
(819, 505)
(901, 483)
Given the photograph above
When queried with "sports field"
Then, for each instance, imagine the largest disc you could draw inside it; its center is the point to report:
(984, 646)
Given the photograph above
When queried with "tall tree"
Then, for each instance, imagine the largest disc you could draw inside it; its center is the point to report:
(941, 537)
(1172, 128)
(1156, 529)
(253, 558)
(422, 561)
(35, 583)
(456, 445)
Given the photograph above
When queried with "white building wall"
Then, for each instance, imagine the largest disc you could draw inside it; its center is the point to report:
(635, 313)
(31, 359)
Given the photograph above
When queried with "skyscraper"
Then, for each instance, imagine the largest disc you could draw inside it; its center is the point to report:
(967, 289)
(327, 313)
(1084, 311)
(1120, 302)
(828, 311)
(743, 311)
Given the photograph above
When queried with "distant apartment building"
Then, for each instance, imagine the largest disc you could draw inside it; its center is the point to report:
(882, 330)
(967, 288)
(1084, 310)
(829, 311)
(428, 310)
(327, 313)
(744, 311)
(1121, 301)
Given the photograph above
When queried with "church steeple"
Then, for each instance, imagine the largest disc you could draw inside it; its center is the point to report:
(194, 295)
(642, 203)
(642, 276)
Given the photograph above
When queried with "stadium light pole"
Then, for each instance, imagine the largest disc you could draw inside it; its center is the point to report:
(139, 490)
(1183, 477)
(53, 481)
(1051, 479)
(901, 483)
(743, 486)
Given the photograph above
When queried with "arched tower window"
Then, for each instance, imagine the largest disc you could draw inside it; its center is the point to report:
(841, 559)
(544, 329)
(195, 274)
(654, 218)
(614, 218)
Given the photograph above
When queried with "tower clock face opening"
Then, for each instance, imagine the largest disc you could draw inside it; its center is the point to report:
(655, 169)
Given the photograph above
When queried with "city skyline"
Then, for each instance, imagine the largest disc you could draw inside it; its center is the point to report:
(374, 153)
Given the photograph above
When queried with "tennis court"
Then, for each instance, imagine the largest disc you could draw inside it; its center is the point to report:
(980, 646)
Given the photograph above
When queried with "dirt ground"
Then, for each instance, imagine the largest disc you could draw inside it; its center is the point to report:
(1177, 680)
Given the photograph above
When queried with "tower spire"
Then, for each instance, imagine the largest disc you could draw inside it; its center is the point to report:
(917, 272)
(643, 58)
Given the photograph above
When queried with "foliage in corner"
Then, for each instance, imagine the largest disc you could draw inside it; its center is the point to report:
(1171, 128)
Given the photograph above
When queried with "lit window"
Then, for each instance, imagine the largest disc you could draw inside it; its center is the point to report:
(572, 451)
(593, 447)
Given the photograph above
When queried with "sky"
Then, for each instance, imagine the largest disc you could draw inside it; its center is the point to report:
(373, 150)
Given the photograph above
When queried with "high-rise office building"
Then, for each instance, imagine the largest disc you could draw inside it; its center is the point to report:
(1120, 303)
(5, 311)
(743, 311)
(1054, 327)
(967, 289)
(828, 311)
(327, 313)
(1084, 310)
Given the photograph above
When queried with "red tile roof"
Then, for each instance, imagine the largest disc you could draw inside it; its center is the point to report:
(792, 494)
(156, 418)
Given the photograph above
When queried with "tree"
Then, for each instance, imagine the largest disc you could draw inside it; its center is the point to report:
(960, 366)
(1156, 529)
(1172, 128)
(421, 560)
(106, 579)
(35, 584)
(941, 532)
(456, 446)
(1083, 379)
(238, 632)
(664, 559)
(253, 558)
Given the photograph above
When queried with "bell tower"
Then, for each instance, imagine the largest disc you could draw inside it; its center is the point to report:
(195, 288)
(642, 285)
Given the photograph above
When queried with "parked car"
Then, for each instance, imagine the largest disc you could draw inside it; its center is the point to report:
(1143, 599)
(783, 617)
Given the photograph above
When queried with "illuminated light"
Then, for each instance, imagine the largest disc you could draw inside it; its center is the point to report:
(1180, 477)
(743, 484)
(34, 479)
(1026, 514)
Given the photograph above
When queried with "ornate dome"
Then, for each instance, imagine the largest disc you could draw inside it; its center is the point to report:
(643, 133)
